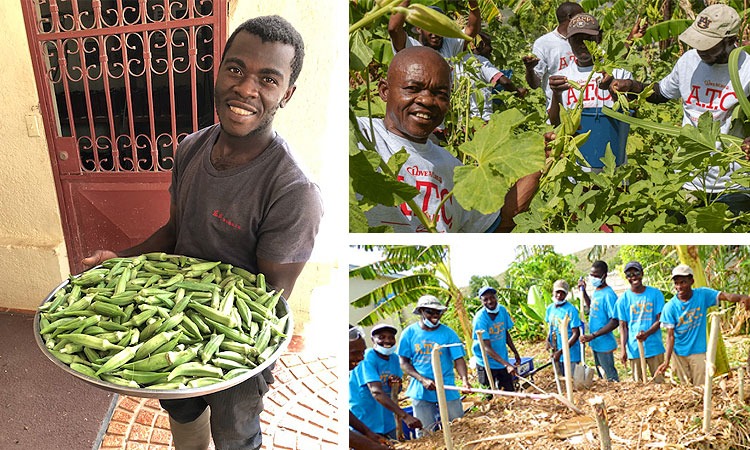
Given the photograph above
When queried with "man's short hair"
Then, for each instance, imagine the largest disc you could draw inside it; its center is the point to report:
(567, 10)
(274, 29)
(600, 266)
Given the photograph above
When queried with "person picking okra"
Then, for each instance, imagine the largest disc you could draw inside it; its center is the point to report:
(238, 196)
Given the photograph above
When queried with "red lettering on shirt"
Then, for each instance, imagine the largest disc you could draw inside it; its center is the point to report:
(219, 215)
(694, 95)
(713, 93)
(563, 63)
(724, 98)
(428, 189)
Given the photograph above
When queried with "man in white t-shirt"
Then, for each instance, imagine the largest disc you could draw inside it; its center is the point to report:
(701, 79)
(551, 52)
(448, 47)
(477, 66)
(581, 28)
(417, 95)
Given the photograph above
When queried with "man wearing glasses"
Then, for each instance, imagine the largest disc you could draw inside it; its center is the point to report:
(415, 350)
(639, 312)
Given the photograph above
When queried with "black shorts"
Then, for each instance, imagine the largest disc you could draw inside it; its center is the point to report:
(503, 380)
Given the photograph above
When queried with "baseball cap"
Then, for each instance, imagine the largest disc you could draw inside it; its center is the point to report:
(633, 265)
(583, 24)
(382, 326)
(486, 289)
(560, 285)
(711, 26)
(429, 301)
(683, 270)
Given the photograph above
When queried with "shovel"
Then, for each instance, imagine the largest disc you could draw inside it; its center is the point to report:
(583, 375)
(554, 363)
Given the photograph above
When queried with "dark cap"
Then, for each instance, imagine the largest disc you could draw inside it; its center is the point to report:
(583, 24)
(382, 326)
(486, 289)
(633, 265)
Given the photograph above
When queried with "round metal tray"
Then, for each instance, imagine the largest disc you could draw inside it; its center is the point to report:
(281, 308)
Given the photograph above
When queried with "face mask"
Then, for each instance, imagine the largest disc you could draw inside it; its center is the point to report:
(596, 282)
(430, 324)
(493, 311)
(560, 302)
(387, 351)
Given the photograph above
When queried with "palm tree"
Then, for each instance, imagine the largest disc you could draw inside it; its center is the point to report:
(413, 271)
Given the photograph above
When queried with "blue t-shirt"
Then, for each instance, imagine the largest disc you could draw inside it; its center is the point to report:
(494, 331)
(602, 311)
(639, 312)
(361, 402)
(416, 344)
(554, 316)
(689, 320)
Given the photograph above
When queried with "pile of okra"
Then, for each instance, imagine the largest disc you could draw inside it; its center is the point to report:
(163, 322)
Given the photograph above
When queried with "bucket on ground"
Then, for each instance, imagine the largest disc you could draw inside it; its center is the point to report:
(604, 130)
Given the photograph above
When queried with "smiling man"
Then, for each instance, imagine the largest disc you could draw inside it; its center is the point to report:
(639, 311)
(238, 196)
(701, 79)
(417, 94)
(685, 318)
(495, 323)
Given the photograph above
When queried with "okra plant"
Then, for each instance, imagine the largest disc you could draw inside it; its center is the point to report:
(163, 322)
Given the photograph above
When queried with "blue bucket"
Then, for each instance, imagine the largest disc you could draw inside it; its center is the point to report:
(603, 130)
(408, 432)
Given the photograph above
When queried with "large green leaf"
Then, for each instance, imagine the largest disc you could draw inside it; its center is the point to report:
(502, 158)
(662, 31)
(537, 302)
(711, 219)
(375, 187)
(360, 54)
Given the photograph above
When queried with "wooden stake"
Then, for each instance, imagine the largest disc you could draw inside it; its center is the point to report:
(395, 387)
(741, 384)
(437, 369)
(486, 360)
(710, 369)
(642, 356)
(600, 412)
(566, 359)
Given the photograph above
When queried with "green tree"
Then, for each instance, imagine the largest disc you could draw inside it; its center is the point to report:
(414, 271)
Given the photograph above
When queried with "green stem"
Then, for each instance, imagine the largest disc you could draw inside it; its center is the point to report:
(372, 15)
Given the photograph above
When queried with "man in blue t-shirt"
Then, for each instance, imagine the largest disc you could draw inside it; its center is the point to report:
(639, 312)
(684, 318)
(554, 316)
(493, 319)
(415, 352)
(370, 385)
(602, 320)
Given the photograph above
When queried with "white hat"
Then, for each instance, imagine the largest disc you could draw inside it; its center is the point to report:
(429, 301)
(683, 270)
(560, 285)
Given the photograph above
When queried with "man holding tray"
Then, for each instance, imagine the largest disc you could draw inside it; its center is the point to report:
(238, 196)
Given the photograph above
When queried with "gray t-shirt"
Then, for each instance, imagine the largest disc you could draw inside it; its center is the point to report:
(266, 209)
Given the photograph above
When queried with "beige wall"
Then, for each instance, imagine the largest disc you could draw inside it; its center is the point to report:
(32, 248)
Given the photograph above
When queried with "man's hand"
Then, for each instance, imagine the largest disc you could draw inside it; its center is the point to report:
(556, 355)
(412, 422)
(746, 147)
(662, 368)
(641, 336)
(530, 61)
(623, 86)
(548, 137)
(605, 83)
(98, 257)
(624, 357)
(378, 439)
(428, 384)
(587, 338)
(558, 83)
(511, 369)
(521, 92)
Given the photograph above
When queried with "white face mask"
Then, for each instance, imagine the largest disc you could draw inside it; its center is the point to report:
(560, 302)
(430, 324)
(387, 351)
(493, 311)
(596, 282)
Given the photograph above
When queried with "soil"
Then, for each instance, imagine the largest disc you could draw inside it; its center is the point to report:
(640, 416)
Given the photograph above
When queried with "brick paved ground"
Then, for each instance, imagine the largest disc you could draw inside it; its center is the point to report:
(300, 412)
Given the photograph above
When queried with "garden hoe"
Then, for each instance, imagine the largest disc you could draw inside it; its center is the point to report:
(554, 363)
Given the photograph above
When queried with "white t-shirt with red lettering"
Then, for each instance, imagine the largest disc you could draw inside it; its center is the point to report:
(702, 88)
(429, 168)
(482, 69)
(554, 53)
(593, 97)
(450, 47)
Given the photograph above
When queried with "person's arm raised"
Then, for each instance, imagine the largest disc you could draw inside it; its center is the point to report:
(396, 28)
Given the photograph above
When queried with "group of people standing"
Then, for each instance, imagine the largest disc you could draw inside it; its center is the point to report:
(417, 92)
(640, 313)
